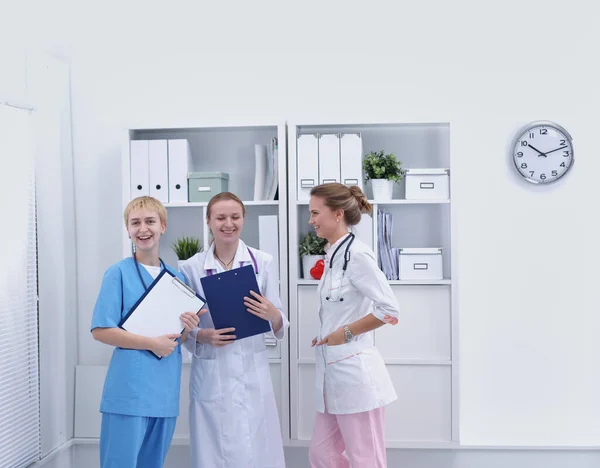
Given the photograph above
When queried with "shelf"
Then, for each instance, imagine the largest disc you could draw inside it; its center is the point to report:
(392, 282)
(397, 362)
(399, 201)
(422, 282)
(202, 204)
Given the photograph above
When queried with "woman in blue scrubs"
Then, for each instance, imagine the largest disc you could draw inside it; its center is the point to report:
(140, 401)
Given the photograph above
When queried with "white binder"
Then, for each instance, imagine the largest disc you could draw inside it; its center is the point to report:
(159, 169)
(268, 241)
(268, 237)
(180, 164)
(351, 152)
(329, 159)
(260, 171)
(138, 166)
(364, 230)
(308, 165)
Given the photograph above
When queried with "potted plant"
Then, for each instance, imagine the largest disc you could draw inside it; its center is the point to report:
(186, 247)
(311, 250)
(382, 170)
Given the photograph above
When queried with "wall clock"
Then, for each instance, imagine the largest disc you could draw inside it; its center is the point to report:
(542, 152)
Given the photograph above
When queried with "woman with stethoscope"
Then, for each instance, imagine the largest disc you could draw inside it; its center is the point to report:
(233, 413)
(354, 297)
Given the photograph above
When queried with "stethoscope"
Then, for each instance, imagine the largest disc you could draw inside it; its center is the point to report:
(350, 238)
(209, 272)
(137, 267)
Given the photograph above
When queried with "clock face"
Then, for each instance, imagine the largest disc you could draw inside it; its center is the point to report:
(543, 152)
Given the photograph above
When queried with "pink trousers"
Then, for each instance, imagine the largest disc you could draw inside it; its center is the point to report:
(348, 440)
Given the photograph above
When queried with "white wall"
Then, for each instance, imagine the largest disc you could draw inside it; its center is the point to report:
(526, 255)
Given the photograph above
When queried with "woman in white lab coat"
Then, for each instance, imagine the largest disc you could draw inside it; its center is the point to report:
(233, 413)
(354, 297)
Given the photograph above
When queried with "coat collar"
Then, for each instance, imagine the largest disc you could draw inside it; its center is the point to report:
(330, 249)
(241, 256)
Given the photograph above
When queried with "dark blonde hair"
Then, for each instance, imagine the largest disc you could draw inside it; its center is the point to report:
(339, 197)
(222, 197)
(145, 202)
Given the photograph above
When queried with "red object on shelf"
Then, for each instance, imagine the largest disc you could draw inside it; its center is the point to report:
(317, 271)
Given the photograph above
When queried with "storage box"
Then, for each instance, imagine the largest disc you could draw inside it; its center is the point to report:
(202, 186)
(420, 264)
(427, 184)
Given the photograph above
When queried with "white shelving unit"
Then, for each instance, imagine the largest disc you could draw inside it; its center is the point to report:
(227, 149)
(421, 351)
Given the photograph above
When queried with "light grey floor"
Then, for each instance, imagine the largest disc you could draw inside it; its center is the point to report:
(86, 456)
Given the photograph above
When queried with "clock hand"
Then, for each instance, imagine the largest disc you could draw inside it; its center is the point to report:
(556, 149)
(541, 154)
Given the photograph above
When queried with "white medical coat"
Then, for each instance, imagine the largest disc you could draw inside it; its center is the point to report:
(352, 377)
(233, 414)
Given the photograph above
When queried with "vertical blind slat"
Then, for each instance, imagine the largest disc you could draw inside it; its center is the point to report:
(19, 372)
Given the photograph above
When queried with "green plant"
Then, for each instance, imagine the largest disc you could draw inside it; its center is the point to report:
(311, 244)
(378, 165)
(186, 247)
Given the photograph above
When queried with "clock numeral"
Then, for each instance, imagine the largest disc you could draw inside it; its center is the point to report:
(520, 154)
(562, 164)
(523, 143)
(524, 166)
(531, 172)
(563, 142)
(543, 131)
(543, 176)
(531, 135)
(566, 154)
(554, 173)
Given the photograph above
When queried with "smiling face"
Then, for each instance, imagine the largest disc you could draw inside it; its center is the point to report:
(226, 220)
(328, 224)
(145, 228)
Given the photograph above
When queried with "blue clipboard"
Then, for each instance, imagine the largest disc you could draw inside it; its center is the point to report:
(225, 293)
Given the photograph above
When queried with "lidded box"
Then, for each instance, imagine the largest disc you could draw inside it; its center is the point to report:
(202, 186)
(427, 184)
(420, 264)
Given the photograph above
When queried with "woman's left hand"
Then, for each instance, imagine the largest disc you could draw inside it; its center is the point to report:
(262, 307)
(190, 320)
(335, 338)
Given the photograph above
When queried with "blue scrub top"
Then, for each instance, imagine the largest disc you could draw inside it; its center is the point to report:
(137, 384)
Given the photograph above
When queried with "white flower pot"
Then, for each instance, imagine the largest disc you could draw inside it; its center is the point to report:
(382, 189)
(309, 261)
(179, 263)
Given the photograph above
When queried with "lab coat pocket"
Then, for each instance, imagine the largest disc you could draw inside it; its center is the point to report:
(341, 352)
(346, 366)
(204, 380)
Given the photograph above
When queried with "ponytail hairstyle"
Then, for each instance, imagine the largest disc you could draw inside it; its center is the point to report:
(351, 200)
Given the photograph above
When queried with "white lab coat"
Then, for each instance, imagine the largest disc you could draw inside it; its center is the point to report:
(233, 413)
(352, 377)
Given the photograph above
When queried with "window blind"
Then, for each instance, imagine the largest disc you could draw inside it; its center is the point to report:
(19, 351)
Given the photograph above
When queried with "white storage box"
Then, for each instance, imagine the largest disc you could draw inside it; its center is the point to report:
(420, 264)
(427, 184)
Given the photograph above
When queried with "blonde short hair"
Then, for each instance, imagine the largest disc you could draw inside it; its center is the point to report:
(148, 203)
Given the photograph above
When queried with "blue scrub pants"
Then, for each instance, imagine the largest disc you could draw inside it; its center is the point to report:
(134, 441)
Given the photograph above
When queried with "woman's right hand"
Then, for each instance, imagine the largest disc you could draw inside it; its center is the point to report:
(215, 337)
(314, 342)
(164, 345)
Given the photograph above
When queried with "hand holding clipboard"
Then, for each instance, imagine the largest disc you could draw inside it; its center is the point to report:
(229, 297)
(158, 313)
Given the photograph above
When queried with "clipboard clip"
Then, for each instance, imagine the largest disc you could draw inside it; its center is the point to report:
(184, 287)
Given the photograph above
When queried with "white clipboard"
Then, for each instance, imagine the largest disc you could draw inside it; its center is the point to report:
(157, 312)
